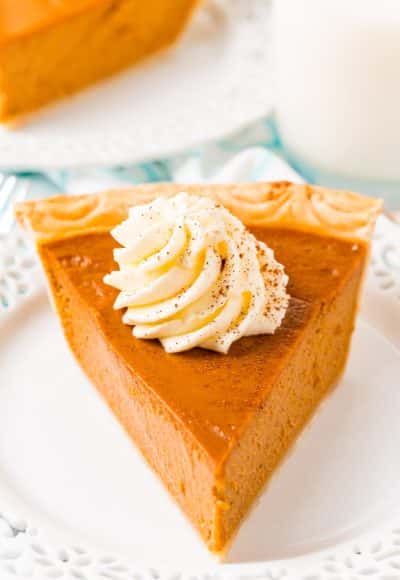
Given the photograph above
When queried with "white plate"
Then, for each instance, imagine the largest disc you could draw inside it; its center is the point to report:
(73, 490)
(214, 81)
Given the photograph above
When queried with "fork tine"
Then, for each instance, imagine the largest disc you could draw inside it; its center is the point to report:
(7, 191)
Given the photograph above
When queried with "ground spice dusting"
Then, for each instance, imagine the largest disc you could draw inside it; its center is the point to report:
(224, 283)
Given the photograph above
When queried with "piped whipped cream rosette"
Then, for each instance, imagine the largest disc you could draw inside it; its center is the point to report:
(191, 275)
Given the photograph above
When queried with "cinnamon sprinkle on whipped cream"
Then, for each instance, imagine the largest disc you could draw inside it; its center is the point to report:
(191, 275)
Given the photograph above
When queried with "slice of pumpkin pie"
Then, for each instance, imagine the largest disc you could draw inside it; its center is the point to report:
(212, 322)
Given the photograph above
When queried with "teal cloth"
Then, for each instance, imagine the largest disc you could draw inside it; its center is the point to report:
(197, 164)
(255, 153)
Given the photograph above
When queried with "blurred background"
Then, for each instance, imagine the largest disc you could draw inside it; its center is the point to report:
(251, 90)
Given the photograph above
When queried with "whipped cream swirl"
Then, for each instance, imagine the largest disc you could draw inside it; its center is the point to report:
(192, 275)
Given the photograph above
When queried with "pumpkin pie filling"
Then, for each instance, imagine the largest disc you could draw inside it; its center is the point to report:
(213, 427)
(52, 48)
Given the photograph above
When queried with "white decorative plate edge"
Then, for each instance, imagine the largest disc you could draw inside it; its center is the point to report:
(29, 552)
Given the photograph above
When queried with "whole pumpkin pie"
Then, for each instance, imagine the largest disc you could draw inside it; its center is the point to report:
(52, 48)
(213, 426)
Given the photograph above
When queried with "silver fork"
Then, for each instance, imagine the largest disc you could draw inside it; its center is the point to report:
(12, 190)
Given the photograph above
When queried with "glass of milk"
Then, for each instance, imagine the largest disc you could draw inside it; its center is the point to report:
(338, 87)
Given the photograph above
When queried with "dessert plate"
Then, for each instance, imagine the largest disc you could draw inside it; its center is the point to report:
(215, 80)
(76, 500)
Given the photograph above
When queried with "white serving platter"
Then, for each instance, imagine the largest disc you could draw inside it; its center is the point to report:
(77, 501)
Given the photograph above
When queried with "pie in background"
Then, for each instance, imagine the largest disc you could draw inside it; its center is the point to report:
(53, 48)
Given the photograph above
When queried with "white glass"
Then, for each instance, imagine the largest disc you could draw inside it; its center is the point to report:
(338, 85)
